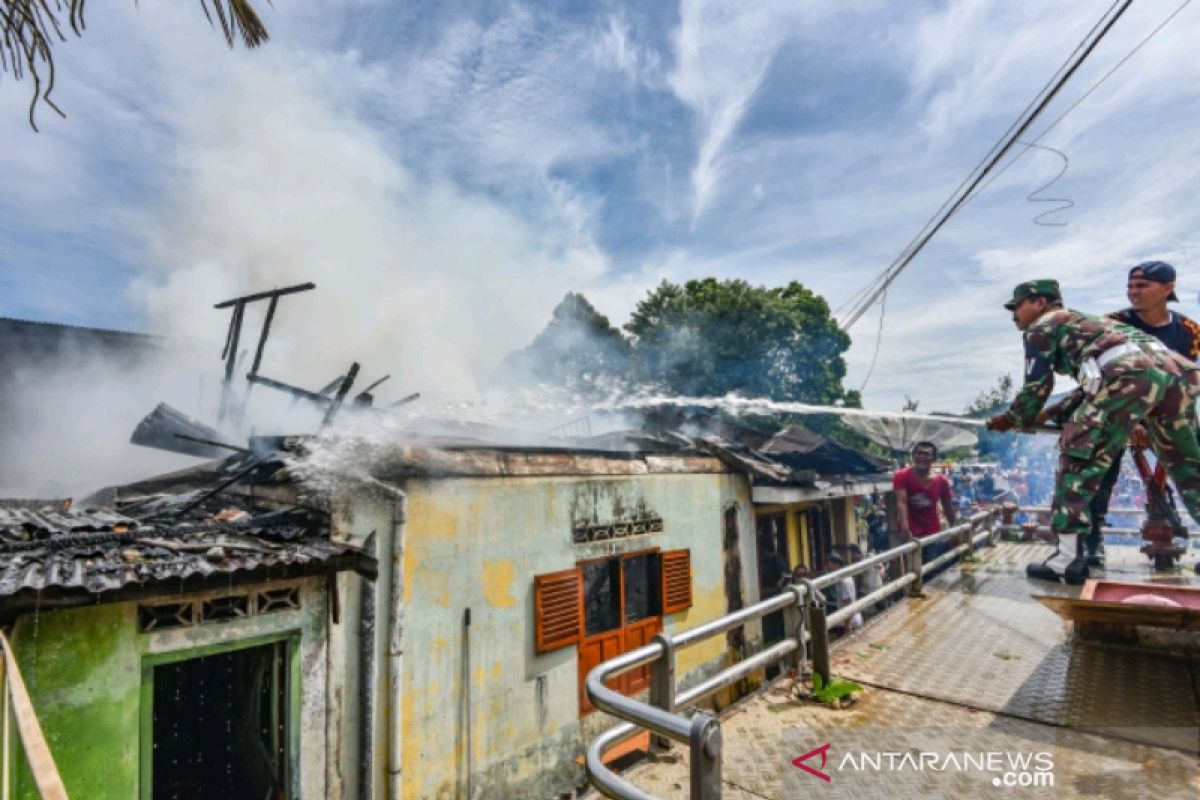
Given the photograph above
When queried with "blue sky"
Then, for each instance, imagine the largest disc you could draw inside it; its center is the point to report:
(446, 171)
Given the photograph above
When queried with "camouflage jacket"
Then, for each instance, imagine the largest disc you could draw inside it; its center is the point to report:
(1060, 341)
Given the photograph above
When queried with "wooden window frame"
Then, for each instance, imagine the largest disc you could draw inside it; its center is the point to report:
(635, 680)
(619, 558)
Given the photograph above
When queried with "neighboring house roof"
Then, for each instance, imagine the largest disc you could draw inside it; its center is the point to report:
(29, 327)
(795, 457)
(807, 449)
(51, 557)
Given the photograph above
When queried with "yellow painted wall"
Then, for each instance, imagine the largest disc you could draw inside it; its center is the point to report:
(478, 543)
(793, 536)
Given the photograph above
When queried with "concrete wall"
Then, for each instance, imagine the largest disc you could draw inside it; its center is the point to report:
(480, 702)
(83, 668)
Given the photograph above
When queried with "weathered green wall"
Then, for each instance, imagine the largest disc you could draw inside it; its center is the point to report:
(82, 669)
(477, 543)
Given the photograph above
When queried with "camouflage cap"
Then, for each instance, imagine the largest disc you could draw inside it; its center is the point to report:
(1045, 287)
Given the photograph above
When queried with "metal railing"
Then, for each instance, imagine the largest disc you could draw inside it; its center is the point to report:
(1044, 511)
(806, 637)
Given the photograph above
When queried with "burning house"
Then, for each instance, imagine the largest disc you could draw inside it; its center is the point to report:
(396, 606)
(175, 650)
(506, 573)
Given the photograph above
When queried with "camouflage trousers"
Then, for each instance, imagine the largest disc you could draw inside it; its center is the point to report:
(1099, 429)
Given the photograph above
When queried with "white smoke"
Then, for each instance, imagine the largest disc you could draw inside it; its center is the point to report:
(415, 277)
(271, 170)
(66, 422)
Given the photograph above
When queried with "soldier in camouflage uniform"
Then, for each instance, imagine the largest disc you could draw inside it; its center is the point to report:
(1126, 378)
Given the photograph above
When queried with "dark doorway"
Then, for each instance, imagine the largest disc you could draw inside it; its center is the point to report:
(820, 536)
(221, 725)
(773, 567)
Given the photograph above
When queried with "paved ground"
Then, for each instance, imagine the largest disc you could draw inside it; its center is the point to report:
(978, 666)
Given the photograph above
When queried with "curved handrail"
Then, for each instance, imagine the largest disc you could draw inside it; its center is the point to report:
(637, 715)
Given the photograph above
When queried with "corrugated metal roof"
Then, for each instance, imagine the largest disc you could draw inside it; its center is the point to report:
(32, 523)
(102, 551)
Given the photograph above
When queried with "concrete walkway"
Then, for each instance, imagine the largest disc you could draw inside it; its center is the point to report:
(978, 667)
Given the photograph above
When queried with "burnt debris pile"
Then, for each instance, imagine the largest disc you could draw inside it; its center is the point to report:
(167, 428)
(207, 527)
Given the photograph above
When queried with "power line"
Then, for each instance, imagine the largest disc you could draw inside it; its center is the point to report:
(979, 165)
(885, 280)
(1032, 143)
(878, 342)
(1061, 203)
(994, 156)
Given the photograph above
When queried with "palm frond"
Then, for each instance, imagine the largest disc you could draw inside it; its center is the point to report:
(30, 28)
(237, 18)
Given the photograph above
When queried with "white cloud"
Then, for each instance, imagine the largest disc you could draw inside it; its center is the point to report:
(415, 277)
(723, 52)
(465, 178)
(617, 47)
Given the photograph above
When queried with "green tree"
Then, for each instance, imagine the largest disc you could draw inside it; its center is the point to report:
(710, 337)
(30, 28)
(578, 349)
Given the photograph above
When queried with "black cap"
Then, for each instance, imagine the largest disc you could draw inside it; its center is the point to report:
(1157, 271)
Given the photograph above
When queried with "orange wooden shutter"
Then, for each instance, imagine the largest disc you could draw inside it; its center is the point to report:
(558, 609)
(676, 580)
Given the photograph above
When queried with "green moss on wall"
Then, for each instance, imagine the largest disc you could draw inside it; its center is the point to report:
(82, 668)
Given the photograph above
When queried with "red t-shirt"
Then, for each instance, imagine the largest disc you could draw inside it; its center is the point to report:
(922, 500)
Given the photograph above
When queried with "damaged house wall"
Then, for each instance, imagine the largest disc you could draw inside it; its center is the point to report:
(478, 706)
(87, 671)
(175, 643)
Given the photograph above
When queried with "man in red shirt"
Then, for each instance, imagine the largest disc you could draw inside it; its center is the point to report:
(918, 494)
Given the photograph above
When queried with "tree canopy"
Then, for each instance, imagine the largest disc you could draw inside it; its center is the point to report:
(30, 28)
(578, 349)
(710, 337)
(702, 338)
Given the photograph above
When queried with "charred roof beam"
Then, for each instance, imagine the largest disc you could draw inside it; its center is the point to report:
(233, 336)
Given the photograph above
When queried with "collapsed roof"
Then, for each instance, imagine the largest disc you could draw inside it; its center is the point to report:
(55, 557)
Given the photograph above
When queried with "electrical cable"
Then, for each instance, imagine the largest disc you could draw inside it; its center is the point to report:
(1034, 142)
(865, 290)
(997, 154)
(1033, 197)
(1028, 145)
(878, 342)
